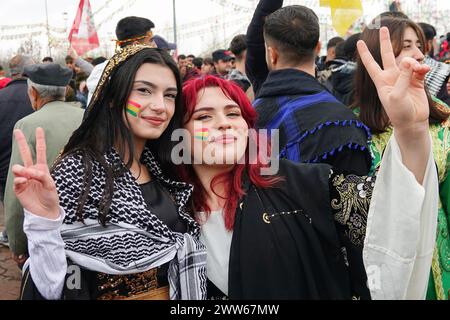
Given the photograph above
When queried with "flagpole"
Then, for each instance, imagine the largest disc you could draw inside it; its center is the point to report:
(174, 22)
(48, 30)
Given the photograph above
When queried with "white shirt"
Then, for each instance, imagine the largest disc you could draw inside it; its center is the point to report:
(217, 240)
(48, 266)
(401, 229)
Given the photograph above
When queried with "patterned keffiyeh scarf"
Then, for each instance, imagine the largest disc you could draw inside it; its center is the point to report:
(437, 75)
(134, 240)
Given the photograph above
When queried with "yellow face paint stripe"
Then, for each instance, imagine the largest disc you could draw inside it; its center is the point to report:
(133, 108)
(201, 134)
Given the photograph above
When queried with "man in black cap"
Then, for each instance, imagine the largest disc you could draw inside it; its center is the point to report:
(222, 62)
(46, 90)
(129, 31)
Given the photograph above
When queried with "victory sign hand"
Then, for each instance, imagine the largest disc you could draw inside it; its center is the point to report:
(33, 184)
(401, 89)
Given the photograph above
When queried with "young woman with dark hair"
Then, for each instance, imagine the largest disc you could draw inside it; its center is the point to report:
(408, 41)
(109, 218)
(301, 233)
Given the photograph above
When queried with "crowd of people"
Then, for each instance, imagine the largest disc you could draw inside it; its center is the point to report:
(97, 188)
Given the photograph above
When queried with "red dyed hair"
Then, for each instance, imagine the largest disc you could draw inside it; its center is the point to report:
(232, 179)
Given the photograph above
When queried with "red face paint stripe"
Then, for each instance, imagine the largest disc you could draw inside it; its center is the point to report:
(135, 104)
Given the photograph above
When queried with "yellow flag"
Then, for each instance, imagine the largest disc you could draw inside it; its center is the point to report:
(344, 13)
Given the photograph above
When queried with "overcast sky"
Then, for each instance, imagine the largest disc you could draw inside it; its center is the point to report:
(194, 38)
(18, 12)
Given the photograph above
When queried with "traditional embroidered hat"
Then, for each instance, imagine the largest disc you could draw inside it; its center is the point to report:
(119, 58)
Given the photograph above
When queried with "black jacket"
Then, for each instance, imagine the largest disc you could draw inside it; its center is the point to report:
(443, 93)
(14, 105)
(341, 82)
(289, 243)
(314, 127)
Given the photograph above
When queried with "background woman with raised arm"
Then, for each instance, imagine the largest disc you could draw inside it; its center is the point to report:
(408, 41)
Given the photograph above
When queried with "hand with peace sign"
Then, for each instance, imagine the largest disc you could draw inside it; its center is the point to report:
(401, 90)
(33, 184)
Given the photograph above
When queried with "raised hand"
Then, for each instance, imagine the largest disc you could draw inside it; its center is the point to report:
(401, 88)
(33, 184)
(71, 52)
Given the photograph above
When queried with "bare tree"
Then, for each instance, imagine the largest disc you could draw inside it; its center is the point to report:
(31, 47)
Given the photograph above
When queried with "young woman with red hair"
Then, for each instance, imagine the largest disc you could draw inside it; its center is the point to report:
(300, 234)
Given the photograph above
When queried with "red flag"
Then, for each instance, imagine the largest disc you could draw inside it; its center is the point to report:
(83, 36)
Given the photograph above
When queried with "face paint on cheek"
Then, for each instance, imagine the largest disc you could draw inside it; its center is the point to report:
(133, 108)
(201, 134)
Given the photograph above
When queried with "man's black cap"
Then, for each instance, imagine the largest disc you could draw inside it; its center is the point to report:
(48, 74)
(224, 55)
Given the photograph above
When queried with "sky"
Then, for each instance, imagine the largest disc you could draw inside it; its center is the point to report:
(197, 38)
(203, 25)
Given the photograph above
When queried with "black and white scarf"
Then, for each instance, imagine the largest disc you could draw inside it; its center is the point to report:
(134, 240)
(437, 75)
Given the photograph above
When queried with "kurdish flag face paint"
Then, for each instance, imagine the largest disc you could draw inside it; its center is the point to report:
(201, 134)
(133, 108)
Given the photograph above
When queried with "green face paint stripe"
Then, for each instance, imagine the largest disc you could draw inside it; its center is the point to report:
(134, 114)
(133, 109)
(201, 134)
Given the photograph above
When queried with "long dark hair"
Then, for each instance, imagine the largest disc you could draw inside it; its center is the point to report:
(366, 97)
(104, 127)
